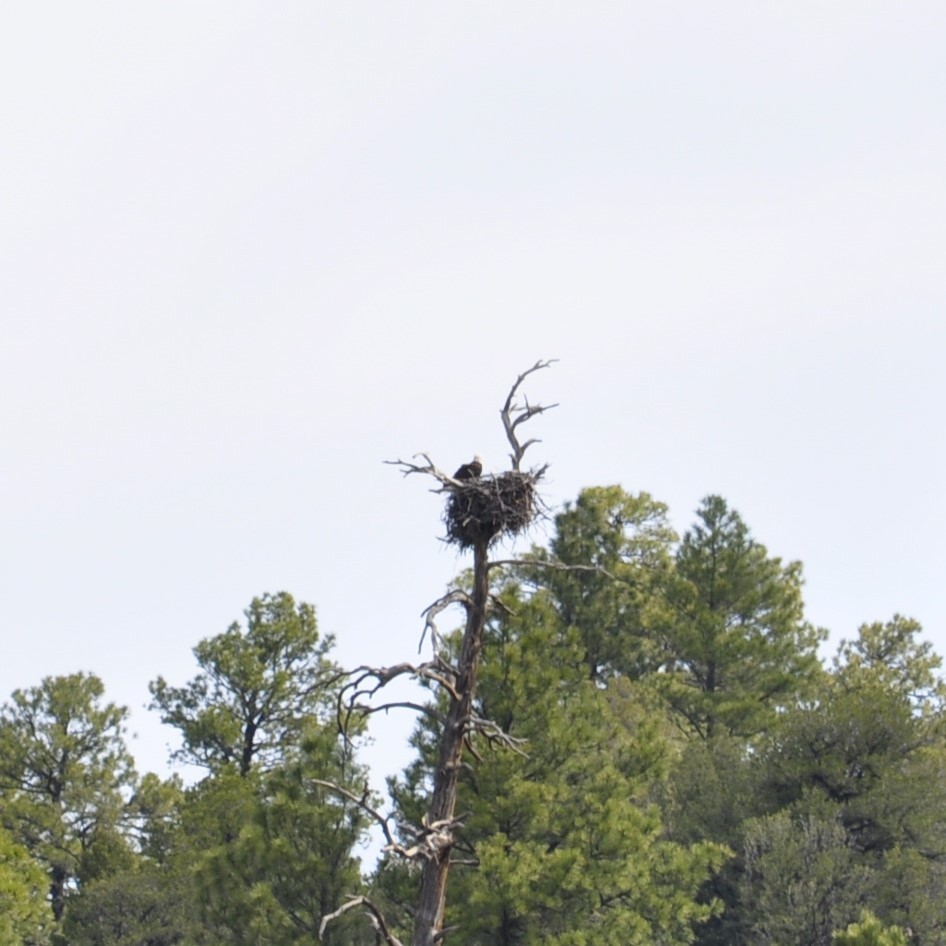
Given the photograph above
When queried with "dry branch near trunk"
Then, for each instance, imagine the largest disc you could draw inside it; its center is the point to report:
(457, 596)
(373, 913)
(365, 682)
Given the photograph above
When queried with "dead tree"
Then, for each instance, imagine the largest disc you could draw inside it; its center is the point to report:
(478, 513)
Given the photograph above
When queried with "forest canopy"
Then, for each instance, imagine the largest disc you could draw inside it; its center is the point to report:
(671, 760)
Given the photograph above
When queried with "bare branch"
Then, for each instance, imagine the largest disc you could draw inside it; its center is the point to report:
(436, 670)
(382, 676)
(553, 566)
(432, 839)
(398, 704)
(429, 468)
(494, 734)
(368, 681)
(359, 687)
(456, 596)
(374, 914)
(362, 802)
(428, 839)
(514, 414)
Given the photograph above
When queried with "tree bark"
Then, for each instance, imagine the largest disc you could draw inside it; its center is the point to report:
(428, 923)
(57, 892)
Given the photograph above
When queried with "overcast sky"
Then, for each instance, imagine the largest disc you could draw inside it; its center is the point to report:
(249, 251)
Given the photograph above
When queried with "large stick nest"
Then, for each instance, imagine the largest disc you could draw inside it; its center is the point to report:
(488, 508)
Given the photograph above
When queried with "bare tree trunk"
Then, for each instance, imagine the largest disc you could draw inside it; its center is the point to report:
(428, 923)
(57, 892)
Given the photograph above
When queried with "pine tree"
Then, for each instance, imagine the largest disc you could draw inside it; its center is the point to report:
(66, 778)
(737, 642)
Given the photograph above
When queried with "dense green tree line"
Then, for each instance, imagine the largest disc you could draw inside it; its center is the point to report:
(685, 768)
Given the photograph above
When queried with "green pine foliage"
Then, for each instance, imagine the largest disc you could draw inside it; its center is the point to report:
(288, 857)
(257, 688)
(568, 848)
(266, 851)
(147, 904)
(737, 643)
(866, 755)
(25, 916)
(870, 932)
(618, 547)
(66, 778)
(671, 763)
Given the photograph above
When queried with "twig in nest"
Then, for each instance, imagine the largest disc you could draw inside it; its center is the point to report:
(484, 509)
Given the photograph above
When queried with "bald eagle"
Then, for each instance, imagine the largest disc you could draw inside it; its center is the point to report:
(471, 470)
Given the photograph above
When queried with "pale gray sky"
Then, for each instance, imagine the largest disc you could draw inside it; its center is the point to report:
(248, 251)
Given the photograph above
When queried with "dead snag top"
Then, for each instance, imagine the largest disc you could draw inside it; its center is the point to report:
(483, 509)
(513, 414)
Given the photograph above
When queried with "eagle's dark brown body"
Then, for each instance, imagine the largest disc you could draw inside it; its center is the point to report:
(470, 471)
